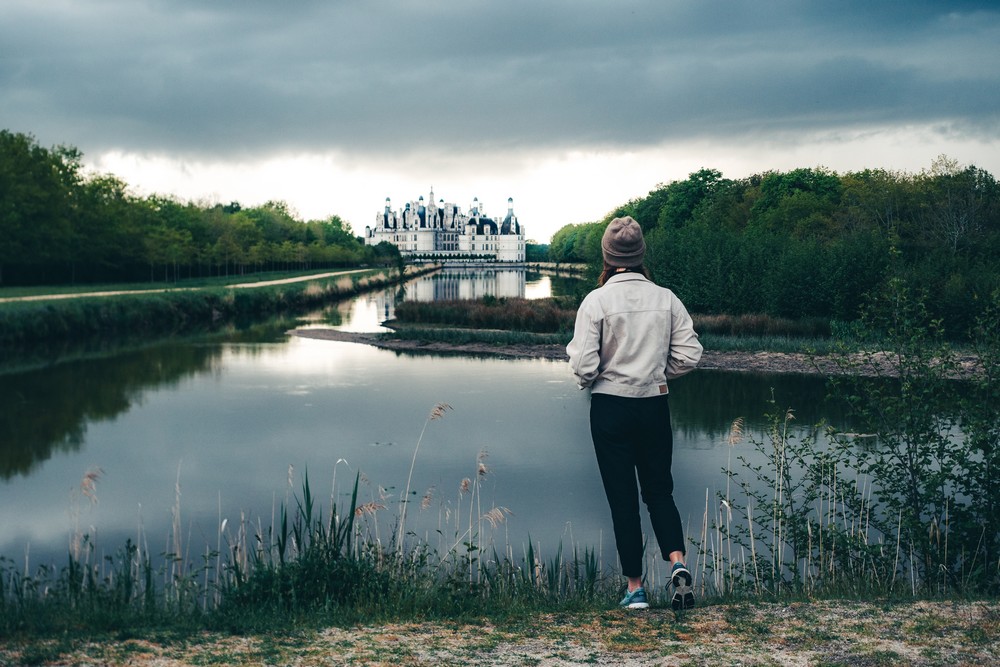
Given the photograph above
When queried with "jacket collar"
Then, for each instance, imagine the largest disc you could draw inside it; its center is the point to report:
(624, 277)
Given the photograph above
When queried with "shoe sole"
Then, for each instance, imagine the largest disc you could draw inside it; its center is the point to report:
(638, 605)
(683, 597)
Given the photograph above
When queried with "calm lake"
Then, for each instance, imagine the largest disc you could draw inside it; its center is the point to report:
(225, 428)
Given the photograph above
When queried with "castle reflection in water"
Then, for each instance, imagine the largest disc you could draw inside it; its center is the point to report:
(467, 283)
(368, 311)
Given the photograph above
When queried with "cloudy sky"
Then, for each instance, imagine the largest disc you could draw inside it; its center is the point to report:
(571, 107)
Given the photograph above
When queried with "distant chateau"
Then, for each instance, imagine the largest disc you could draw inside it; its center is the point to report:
(443, 231)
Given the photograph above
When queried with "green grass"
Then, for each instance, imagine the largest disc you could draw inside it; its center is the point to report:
(774, 343)
(507, 321)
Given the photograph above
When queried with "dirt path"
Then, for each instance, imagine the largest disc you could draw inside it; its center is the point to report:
(828, 633)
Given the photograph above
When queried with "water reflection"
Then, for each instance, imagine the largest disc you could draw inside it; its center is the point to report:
(367, 312)
(48, 411)
(467, 284)
(227, 417)
(718, 397)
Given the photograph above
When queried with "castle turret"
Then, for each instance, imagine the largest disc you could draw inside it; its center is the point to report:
(509, 225)
(438, 230)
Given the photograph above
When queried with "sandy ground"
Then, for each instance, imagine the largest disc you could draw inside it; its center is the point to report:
(820, 633)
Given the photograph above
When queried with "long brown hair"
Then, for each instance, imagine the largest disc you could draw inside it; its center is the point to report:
(609, 271)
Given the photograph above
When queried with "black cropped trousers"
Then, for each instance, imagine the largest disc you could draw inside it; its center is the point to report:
(632, 437)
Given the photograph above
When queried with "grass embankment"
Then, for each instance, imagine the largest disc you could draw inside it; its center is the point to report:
(27, 327)
(513, 321)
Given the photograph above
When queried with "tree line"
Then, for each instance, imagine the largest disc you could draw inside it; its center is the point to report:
(61, 225)
(812, 242)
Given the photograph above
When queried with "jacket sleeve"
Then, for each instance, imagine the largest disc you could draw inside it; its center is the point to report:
(685, 349)
(584, 349)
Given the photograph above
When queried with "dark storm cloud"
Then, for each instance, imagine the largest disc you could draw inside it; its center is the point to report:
(231, 78)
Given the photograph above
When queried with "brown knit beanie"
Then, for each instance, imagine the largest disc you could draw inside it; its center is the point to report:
(622, 243)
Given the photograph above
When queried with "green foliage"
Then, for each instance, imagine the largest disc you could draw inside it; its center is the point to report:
(577, 243)
(907, 505)
(60, 225)
(813, 243)
(797, 517)
(934, 418)
(978, 521)
(536, 252)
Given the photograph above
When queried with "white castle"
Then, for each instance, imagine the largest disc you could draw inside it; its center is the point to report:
(442, 231)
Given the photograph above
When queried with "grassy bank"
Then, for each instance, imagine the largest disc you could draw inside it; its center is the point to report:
(504, 321)
(30, 327)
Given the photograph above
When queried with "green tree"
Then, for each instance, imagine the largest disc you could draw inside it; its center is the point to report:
(958, 203)
(684, 197)
(36, 193)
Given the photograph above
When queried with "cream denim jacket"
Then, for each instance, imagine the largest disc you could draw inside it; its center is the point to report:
(631, 336)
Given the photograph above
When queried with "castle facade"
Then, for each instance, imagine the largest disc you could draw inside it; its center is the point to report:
(442, 231)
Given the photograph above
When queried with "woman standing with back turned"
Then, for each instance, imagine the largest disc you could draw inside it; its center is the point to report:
(632, 336)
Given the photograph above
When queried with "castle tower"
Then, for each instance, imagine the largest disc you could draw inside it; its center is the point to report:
(432, 214)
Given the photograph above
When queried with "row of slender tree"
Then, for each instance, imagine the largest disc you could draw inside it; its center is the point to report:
(59, 224)
(812, 242)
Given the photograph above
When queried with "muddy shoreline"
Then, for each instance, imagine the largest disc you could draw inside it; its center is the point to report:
(753, 362)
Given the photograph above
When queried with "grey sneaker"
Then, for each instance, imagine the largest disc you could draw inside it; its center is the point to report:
(682, 581)
(635, 600)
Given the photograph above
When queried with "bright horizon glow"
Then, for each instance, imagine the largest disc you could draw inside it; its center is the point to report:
(549, 191)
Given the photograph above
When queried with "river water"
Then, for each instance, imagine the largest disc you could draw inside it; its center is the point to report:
(196, 432)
